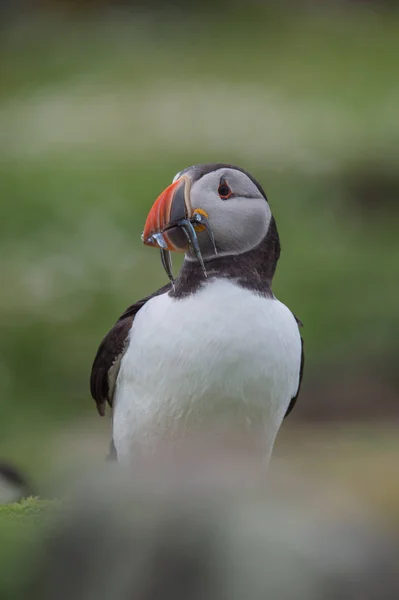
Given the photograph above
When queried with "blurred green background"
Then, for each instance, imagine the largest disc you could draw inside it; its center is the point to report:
(101, 104)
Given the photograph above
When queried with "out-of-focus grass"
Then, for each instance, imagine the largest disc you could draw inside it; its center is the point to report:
(19, 525)
(18, 513)
(95, 119)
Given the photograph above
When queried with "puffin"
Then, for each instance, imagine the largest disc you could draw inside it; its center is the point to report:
(214, 343)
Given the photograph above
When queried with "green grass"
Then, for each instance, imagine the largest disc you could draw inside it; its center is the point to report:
(21, 524)
(26, 513)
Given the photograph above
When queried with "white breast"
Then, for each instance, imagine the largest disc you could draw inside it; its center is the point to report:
(221, 352)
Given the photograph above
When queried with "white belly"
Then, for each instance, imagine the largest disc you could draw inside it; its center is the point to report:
(221, 353)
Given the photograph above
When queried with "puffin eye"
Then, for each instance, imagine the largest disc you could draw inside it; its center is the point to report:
(224, 190)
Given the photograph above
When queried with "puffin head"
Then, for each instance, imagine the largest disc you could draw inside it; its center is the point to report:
(209, 211)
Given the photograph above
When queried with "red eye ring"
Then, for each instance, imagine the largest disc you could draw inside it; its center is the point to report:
(224, 190)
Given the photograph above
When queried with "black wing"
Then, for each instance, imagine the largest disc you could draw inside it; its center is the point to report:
(107, 362)
(294, 399)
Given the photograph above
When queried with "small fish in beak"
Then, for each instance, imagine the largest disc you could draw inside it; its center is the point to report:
(171, 222)
(201, 219)
(166, 260)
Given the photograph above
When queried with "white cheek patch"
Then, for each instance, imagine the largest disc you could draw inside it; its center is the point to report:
(243, 226)
(240, 223)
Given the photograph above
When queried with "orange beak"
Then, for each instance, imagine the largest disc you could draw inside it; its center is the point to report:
(161, 229)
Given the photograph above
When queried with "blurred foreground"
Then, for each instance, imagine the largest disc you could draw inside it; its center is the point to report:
(205, 530)
(208, 525)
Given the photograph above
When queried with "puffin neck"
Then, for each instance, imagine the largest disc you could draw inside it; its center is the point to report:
(253, 270)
